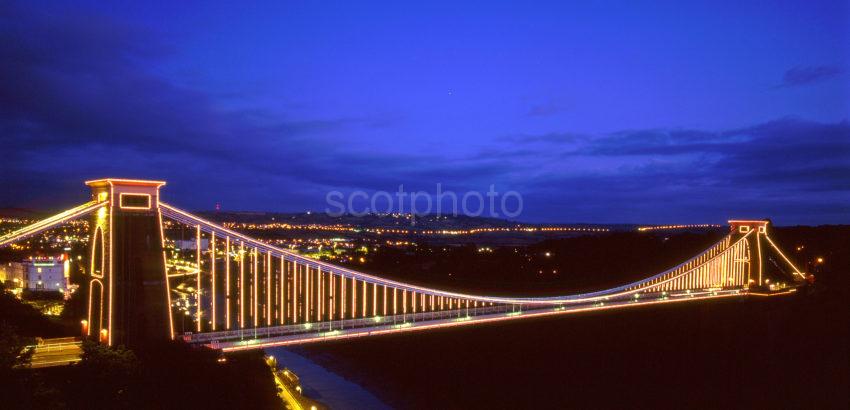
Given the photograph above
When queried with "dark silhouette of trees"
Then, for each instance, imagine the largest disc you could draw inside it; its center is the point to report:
(13, 352)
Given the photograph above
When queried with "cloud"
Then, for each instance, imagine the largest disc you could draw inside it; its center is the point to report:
(543, 110)
(804, 75)
(656, 141)
(66, 84)
(791, 169)
(82, 97)
(549, 137)
(90, 95)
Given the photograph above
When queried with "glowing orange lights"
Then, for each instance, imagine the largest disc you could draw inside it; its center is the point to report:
(213, 284)
(184, 216)
(240, 285)
(395, 231)
(165, 273)
(294, 292)
(307, 291)
(122, 181)
(198, 284)
(134, 201)
(227, 293)
(269, 289)
(353, 297)
(319, 302)
(282, 282)
(672, 227)
(255, 307)
(712, 273)
(51, 222)
(97, 246)
(722, 266)
(389, 329)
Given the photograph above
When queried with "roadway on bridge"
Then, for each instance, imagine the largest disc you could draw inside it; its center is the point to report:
(59, 354)
(265, 337)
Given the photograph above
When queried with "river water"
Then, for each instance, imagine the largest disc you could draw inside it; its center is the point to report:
(319, 384)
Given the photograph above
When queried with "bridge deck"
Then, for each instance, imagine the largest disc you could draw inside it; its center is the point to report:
(244, 339)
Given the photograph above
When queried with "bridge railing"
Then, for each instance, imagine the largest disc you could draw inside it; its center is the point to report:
(51, 222)
(329, 326)
(623, 290)
(52, 347)
(285, 335)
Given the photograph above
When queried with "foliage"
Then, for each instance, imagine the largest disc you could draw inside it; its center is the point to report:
(12, 349)
(27, 320)
(105, 373)
(167, 375)
(193, 376)
(29, 294)
(75, 309)
(25, 386)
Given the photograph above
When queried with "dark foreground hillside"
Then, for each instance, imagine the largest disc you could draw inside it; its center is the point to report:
(169, 376)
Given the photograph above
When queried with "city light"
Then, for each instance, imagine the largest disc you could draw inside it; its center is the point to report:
(672, 227)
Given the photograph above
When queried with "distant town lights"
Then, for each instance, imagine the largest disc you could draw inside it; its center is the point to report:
(664, 227)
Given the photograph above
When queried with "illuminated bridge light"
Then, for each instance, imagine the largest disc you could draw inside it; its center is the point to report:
(304, 295)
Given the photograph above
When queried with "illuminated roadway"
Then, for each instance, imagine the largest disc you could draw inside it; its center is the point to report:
(59, 354)
(317, 332)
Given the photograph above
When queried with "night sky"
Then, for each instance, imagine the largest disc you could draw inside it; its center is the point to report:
(657, 112)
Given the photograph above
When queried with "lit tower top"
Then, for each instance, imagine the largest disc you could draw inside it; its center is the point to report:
(744, 226)
(127, 194)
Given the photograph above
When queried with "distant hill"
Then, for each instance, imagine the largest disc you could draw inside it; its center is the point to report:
(21, 213)
(387, 221)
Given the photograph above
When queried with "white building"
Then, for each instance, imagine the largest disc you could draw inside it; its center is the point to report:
(191, 244)
(47, 273)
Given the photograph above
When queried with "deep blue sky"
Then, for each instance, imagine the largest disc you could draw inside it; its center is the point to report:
(606, 112)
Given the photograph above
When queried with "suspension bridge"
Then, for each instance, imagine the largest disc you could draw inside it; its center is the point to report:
(249, 294)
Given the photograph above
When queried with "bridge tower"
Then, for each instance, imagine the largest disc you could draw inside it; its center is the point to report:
(756, 233)
(128, 292)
